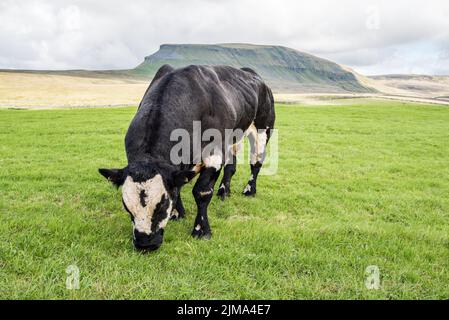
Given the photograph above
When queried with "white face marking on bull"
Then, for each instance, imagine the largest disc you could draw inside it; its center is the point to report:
(164, 222)
(142, 198)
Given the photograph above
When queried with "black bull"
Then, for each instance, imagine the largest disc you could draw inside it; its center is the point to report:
(218, 97)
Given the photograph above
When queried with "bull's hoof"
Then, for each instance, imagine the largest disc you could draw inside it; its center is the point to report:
(175, 215)
(250, 190)
(199, 233)
(223, 192)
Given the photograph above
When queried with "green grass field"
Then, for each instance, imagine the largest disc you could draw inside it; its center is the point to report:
(360, 184)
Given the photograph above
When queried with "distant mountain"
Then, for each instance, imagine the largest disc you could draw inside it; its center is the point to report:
(284, 69)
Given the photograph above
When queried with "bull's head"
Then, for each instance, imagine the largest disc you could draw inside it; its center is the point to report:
(149, 194)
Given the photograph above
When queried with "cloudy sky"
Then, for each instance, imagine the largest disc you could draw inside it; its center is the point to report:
(371, 36)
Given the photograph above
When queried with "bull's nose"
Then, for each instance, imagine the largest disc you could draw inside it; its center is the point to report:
(145, 242)
(145, 248)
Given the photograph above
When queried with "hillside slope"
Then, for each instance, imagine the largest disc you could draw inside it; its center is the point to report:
(284, 69)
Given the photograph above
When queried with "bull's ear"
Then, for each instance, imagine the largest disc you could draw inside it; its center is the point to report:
(181, 177)
(116, 176)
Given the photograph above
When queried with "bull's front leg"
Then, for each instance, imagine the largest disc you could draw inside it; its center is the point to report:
(178, 210)
(203, 192)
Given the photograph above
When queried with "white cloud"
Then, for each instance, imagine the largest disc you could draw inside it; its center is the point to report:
(373, 36)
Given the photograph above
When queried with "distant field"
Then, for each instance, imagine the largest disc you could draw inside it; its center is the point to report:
(71, 89)
(366, 183)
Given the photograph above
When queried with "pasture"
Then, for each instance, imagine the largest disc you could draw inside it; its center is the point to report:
(362, 183)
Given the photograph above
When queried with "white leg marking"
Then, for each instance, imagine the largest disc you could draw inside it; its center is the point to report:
(236, 148)
(175, 213)
(261, 144)
(197, 168)
(259, 138)
(252, 130)
(214, 161)
(205, 193)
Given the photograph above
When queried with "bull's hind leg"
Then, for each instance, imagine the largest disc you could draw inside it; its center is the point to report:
(258, 140)
(229, 169)
(203, 192)
(225, 186)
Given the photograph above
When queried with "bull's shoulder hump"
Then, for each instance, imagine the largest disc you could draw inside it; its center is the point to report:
(246, 69)
(163, 70)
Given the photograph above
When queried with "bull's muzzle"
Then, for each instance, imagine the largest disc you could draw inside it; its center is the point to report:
(151, 242)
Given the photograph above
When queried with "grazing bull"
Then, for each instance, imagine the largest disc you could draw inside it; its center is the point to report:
(218, 97)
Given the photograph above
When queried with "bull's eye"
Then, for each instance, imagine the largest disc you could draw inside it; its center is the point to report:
(143, 196)
(160, 212)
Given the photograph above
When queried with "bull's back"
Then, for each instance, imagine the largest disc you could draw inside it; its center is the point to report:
(221, 97)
